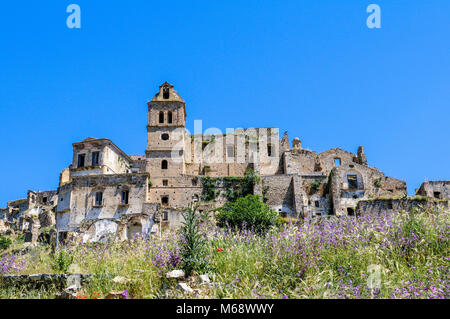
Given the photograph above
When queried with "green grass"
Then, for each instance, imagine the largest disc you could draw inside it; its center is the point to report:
(334, 258)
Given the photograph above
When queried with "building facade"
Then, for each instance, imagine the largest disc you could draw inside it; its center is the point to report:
(107, 192)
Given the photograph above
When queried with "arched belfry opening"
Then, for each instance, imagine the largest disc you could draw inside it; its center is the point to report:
(169, 117)
(161, 117)
(166, 92)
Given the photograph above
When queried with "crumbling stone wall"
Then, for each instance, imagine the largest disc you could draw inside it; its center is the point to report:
(378, 206)
(125, 227)
(30, 215)
(327, 158)
(370, 183)
(81, 204)
(231, 154)
(435, 189)
(280, 193)
(36, 281)
(316, 194)
(299, 161)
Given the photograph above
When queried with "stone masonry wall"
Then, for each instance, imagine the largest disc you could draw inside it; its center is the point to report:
(378, 206)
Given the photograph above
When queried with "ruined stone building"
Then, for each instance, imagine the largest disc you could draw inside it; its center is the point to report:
(106, 191)
(29, 215)
(435, 189)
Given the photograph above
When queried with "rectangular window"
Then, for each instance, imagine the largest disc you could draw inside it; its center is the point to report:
(81, 158)
(230, 151)
(95, 158)
(270, 151)
(352, 181)
(165, 182)
(317, 203)
(98, 199)
(337, 162)
(437, 195)
(125, 195)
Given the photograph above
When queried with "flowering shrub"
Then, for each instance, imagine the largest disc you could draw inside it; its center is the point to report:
(391, 255)
(373, 256)
(10, 264)
(62, 259)
(165, 255)
(192, 241)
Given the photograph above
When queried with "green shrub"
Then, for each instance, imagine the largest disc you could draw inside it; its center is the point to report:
(377, 183)
(315, 186)
(5, 242)
(249, 211)
(264, 194)
(62, 260)
(193, 250)
(210, 191)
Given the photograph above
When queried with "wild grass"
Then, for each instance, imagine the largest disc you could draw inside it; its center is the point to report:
(392, 255)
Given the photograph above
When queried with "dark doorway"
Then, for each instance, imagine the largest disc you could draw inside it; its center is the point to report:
(350, 211)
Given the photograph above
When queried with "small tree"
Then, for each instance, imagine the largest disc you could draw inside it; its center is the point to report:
(193, 243)
(249, 211)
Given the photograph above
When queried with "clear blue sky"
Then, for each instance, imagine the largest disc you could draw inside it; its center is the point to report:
(312, 68)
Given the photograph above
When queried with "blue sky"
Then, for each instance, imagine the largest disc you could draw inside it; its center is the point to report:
(311, 68)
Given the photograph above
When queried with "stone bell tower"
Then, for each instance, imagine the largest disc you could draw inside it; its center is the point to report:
(166, 133)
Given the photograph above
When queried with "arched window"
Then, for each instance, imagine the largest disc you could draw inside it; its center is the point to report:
(352, 180)
(169, 117)
(161, 117)
(165, 200)
(164, 164)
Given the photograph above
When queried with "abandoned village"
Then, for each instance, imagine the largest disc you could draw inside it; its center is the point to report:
(105, 191)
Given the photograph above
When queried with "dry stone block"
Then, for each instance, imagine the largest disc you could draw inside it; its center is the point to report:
(175, 274)
(184, 288)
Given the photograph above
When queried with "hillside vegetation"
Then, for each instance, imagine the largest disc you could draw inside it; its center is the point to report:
(402, 255)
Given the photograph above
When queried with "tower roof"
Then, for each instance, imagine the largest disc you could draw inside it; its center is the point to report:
(167, 94)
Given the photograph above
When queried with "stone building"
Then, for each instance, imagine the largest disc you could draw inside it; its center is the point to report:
(30, 215)
(105, 191)
(435, 189)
